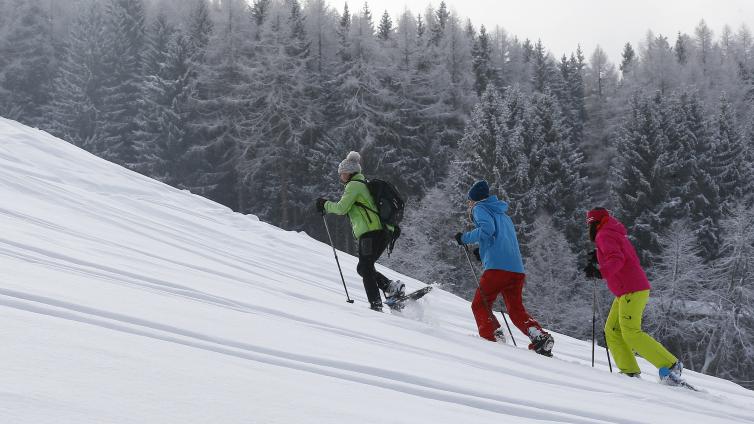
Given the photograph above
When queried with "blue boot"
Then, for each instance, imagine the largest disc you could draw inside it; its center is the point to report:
(672, 376)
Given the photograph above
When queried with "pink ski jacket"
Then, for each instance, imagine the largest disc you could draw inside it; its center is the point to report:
(619, 264)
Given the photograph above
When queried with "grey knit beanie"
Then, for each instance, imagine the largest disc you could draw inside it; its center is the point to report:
(350, 164)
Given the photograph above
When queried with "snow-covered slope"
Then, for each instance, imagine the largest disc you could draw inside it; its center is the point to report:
(123, 300)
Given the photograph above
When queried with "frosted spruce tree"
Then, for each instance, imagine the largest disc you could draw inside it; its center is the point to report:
(728, 168)
(27, 64)
(73, 113)
(693, 193)
(679, 314)
(155, 123)
(731, 335)
(222, 131)
(285, 122)
(123, 88)
(639, 186)
(558, 169)
(484, 72)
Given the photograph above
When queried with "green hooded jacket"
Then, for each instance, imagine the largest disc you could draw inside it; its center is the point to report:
(362, 219)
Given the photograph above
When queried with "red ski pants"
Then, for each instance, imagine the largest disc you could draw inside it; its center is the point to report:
(510, 285)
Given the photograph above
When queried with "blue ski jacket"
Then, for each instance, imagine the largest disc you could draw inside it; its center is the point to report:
(496, 235)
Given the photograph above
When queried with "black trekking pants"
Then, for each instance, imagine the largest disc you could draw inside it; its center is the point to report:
(371, 246)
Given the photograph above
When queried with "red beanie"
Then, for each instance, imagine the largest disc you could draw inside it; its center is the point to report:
(596, 215)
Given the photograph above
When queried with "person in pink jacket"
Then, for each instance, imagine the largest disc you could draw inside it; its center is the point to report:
(618, 264)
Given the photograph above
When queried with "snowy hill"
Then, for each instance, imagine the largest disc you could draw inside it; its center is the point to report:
(123, 300)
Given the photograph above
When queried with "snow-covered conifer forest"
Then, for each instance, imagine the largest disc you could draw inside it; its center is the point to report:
(253, 105)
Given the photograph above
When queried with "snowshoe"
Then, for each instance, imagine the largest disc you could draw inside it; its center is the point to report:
(672, 376)
(499, 336)
(399, 302)
(394, 290)
(542, 344)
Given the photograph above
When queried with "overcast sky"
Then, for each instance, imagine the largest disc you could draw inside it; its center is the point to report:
(563, 24)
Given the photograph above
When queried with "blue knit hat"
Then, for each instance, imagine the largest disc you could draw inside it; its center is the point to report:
(479, 191)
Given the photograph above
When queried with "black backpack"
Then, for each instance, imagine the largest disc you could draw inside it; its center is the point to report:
(389, 205)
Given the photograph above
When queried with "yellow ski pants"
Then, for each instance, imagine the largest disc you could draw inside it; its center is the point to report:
(624, 335)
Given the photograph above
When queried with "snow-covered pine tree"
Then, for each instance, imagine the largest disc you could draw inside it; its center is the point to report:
(727, 166)
(483, 137)
(221, 130)
(558, 169)
(285, 122)
(515, 71)
(658, 67)
(600, 86)
(484, 73)
(437, 31)
(681, 49)
(123, 91)
(78, 88)
(321, 22)
(27, 64)
(693, 194)
(678, 314)
(416, 159)
(406, 39)
(571, 95)
(260, 10)
(199, 28)
(513, 167)
(601, 75)
(385, 30)
(731, 338)
(361, 109)
(543, 72)
(703, 40)
(456, 64)
(156, 125)
(628, 60)
(181, 158)
(639, 186)
(748, 143)
(158, 37)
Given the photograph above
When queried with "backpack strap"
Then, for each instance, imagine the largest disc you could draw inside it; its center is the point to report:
(393, 238)
(362, 205)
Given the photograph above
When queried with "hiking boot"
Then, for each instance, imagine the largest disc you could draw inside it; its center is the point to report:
(499, 336)
(542, 344)
(394, 290)
(376, 306)
(631, 374)
(672, 376)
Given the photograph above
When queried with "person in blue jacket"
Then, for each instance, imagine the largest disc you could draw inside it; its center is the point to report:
(503, 270)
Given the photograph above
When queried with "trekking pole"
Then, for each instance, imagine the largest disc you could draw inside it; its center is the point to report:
(594, 315)
(486, 305)
(324, 219)
(604, 336)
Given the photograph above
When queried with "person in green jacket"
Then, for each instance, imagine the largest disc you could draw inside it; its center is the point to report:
(373, 238)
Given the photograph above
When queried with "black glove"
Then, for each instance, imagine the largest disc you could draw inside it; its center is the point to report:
(476, 253)
(458, 239)
(591, 270)
(321, 205)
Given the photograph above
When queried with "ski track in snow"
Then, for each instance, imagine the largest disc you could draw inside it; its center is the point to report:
(90, 245)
